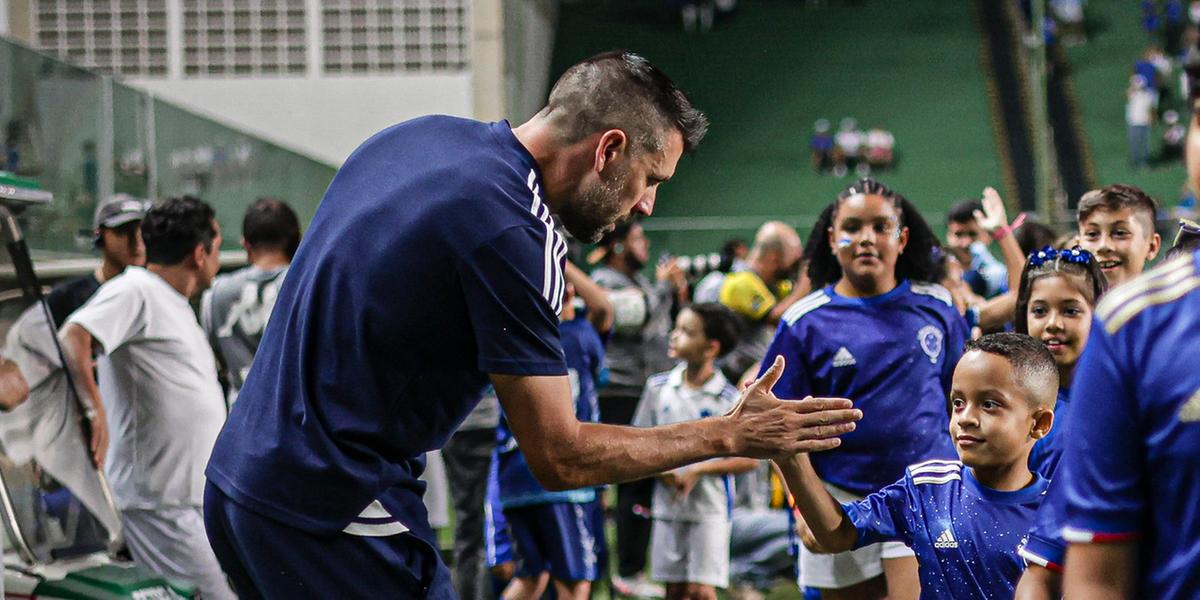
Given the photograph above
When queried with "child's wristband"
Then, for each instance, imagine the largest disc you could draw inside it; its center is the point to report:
(1006, 230)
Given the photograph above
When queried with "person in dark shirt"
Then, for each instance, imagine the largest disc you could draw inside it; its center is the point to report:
(117, 234)
(433, 266)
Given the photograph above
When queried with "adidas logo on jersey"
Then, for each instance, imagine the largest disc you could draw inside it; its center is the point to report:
(946, 540)
(1190, 411)
(843, 358)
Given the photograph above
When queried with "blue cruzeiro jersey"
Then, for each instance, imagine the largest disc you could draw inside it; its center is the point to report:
(1047, 452)
(1046, 546)
(516, 484)
(1133, 467)
(431, 260)
(894, 356)
(966, 536)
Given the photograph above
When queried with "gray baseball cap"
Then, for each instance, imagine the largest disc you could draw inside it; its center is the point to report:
(120, 209)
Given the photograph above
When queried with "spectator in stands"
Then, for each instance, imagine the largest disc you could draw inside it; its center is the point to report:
(1172, 137)
(821, 146)
(116, 232)
(1069, 14)
(1173, 23)
(697, 15)
(1150, 20)
(848, 147)
(234, 311)
(636, 350)
(966, 239)
(1147, 68)
(880, 144)
(160, 391)
(1140, 106)
(761, 294)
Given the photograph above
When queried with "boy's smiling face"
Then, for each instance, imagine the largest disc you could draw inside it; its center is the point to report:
(1121, 241)
(992, 421)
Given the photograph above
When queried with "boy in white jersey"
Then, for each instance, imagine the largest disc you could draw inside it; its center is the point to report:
(692, 505)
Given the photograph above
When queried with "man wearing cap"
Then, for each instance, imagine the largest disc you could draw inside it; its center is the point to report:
(116, 232)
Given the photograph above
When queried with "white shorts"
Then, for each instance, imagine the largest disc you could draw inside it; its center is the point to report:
(837, 571)
(691, 552)
(171, 541)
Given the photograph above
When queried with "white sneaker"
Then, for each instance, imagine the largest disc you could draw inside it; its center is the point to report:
(638, 587)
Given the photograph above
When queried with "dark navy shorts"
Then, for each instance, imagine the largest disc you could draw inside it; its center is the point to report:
(559, 538)
(265, 558)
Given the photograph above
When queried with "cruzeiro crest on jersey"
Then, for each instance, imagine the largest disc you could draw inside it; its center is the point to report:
(930, 339)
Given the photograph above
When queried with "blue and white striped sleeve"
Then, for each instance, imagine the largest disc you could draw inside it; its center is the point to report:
(513, 287)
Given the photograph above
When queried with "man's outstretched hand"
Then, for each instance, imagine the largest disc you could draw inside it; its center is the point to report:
(767, 427)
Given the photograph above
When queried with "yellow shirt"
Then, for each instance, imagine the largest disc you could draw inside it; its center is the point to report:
(745, 293)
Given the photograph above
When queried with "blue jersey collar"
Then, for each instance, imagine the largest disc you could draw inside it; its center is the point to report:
(902, 288)
(503, 134)
(1026, 494)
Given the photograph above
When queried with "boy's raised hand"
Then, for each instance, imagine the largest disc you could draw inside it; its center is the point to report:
(767, 427)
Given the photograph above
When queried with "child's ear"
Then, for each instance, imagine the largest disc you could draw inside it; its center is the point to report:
(1155, 244)
(713, 350)
(1043, 420)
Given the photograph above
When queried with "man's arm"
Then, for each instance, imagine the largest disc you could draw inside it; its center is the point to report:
(566, 454)
(599, 307)
(1100, 571)
(77, 345)
(824, 516)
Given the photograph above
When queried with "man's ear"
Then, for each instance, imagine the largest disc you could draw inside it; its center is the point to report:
(199, 257)
(1043, 421)
(612, 144)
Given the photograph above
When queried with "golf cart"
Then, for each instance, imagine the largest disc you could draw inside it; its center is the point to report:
(63, 529)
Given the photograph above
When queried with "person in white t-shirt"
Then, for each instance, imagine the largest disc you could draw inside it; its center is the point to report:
(692, 506)
(1140, 108)
(158, 392)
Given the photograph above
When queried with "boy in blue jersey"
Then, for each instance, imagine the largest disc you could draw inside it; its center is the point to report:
(552, 532)
(692, 506)
(1116, 224)
(964, 520)
(1132, 476)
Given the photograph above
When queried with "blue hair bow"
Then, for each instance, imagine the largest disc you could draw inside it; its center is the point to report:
(1075, 255)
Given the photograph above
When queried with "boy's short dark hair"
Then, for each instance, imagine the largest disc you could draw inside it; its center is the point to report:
(272, 225)
(1033, 365)
(172, 229)
(963, 211)
(720, 324)
(1116, 197)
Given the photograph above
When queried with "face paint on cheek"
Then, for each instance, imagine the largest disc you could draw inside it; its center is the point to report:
(843, 243)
